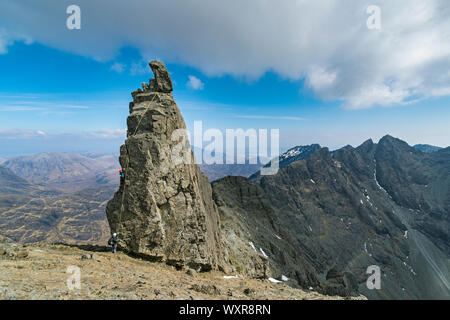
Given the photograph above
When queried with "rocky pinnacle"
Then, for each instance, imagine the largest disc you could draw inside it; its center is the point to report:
(162, 210)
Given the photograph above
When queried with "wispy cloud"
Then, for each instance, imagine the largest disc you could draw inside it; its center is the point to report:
(107, 133)
(7, 133)
(12, 133)
(20, 108)
(65, 106)
(267, 117)
(35, 102)
(139, 68)
(118, 67)
(7, 38)
(195, 83)
(5, 95)
(14, 142)
(202, 105)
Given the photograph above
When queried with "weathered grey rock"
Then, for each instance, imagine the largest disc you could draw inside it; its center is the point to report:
(206, 289)
(95, 257)
(162, 81)
(21, 254)
(162, 210)
(191, 272)
(249, 291)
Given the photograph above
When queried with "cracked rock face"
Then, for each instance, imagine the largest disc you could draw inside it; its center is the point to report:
(162, 210)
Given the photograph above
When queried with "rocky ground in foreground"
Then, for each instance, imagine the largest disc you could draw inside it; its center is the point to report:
(40, 272)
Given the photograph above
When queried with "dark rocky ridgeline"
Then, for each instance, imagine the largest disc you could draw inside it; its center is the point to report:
(335, 214)
(164, 210)
(252, 227)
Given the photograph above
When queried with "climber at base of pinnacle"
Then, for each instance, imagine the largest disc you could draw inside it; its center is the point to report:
(113, 242)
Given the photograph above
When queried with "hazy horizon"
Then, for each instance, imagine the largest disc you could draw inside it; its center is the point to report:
(116, 151)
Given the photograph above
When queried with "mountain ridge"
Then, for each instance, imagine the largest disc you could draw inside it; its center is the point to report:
(66, 172)
(330, 196)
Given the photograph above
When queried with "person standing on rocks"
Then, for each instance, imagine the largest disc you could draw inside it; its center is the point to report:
(113, 242)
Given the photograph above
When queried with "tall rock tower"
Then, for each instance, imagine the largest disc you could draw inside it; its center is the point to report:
(162, 210)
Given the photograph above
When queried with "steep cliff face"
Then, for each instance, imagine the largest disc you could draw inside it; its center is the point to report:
(382, 204)
(163, 209)
(256, 243)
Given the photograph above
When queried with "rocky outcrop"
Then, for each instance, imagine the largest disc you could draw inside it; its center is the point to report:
(162, 210)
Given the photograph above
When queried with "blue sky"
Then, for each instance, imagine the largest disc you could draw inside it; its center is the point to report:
(71, 96)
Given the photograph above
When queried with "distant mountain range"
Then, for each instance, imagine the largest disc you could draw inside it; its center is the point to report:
(218, 171)
(66, 172)
(57, 197)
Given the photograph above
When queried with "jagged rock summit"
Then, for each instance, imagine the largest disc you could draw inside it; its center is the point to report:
(162, 210)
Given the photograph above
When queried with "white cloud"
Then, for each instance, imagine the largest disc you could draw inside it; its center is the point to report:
(7, 38)
(8, 133)
(381, 95)
(19, 108)
(195, 83)
(139, 68)
(319, 79)
(118, 67)
(326, 42)
(108, 133)
(41, 106)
